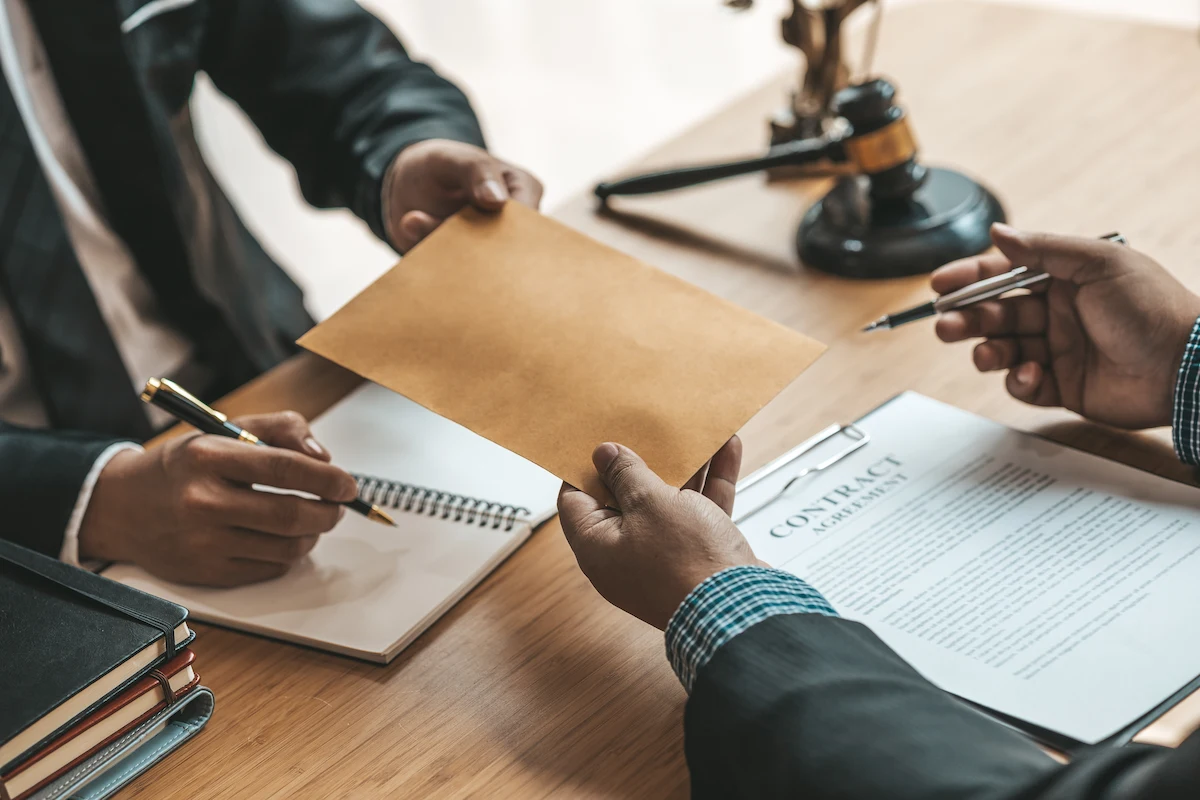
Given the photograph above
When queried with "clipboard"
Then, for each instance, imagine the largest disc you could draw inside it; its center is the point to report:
(858, 439)
(790, 472)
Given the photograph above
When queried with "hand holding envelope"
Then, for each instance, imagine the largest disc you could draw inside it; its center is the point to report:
(548, 343)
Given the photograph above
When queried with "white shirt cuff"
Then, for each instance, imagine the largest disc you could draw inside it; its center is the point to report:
(70, 549)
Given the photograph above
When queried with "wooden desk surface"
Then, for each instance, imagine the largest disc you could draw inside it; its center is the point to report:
(533, 686)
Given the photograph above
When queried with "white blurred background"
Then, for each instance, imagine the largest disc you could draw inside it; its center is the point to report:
(573, 90)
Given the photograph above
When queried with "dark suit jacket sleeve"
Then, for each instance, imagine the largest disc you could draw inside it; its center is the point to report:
(41, 474)
(333, 91)
(815, 707)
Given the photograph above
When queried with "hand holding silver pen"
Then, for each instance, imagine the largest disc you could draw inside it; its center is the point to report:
(1105, 339)
(987, 289)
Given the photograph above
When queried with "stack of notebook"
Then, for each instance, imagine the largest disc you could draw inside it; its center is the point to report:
(96, 681)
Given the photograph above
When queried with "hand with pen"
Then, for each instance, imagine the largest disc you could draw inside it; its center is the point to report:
(185, 511)
(1103, 338)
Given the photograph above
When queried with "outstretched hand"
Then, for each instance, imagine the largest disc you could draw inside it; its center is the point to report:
(660, 542)
(431, 180)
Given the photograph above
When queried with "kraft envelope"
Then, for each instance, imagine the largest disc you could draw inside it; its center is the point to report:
(549, 343)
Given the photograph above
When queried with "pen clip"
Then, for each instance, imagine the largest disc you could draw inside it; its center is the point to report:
(997, 285)
(980, 287)
(175, 388)
(860, 439)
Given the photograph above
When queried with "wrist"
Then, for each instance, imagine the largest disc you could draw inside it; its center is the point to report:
(111, 514)
(1185, 416)
(1182, 355)
(685, 584)
(729, 602)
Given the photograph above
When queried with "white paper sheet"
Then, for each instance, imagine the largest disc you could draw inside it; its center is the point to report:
(1038, 581)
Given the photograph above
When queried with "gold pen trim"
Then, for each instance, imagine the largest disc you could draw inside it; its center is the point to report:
(152, 387)
(379, 516)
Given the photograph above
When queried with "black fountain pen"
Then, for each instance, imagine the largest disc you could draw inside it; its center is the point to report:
(181, 404)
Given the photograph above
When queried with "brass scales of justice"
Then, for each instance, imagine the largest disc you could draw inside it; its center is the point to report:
(888, 215)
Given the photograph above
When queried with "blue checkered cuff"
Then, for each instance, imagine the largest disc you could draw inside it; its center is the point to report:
(728, 603)
(1185, 425)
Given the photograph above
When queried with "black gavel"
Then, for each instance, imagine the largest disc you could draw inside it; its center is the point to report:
(894, 217)
(876, 140)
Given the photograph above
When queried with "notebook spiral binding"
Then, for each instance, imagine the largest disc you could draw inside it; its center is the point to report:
(434, 503)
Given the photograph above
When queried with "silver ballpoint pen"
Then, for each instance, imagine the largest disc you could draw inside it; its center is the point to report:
(987, 289)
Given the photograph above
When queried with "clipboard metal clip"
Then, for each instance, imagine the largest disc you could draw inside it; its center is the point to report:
(859, 439)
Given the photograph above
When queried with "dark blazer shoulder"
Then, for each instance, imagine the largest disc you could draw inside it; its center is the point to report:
(819, 707)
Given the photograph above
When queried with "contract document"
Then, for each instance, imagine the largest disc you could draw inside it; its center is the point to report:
(1050, 586)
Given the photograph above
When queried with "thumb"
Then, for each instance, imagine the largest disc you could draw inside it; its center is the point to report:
(625, 475)
(1068, 258)
(488, 189)
(413, 228)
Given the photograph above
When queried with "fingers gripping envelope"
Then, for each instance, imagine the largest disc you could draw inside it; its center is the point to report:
(549, 343)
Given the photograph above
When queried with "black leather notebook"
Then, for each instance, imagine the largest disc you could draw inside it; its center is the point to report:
(69, 641)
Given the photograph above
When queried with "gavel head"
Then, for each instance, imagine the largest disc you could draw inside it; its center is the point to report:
(880, 142)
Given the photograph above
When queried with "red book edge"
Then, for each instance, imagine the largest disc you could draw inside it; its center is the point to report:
(147, 684)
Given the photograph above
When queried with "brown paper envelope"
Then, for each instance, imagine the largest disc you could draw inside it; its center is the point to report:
(549, 343)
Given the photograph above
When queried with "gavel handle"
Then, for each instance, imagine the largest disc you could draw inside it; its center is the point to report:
(803, 151)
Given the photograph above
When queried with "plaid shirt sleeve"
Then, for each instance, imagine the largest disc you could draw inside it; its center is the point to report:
(1185, 426)
(728, 603)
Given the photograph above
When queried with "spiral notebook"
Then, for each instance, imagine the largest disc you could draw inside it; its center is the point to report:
(462, 503)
